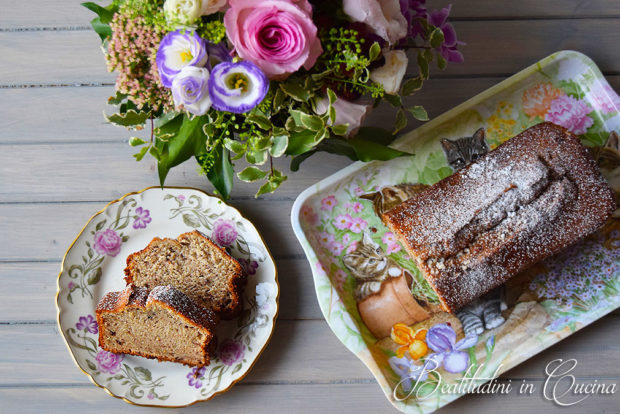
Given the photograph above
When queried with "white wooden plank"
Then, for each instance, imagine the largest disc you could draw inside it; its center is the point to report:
(56, 226)
(82, 61)
(52, 58)
(108, 171)
(81, 119)
(68, 13)
(34, 283)
(43, 358)
(300, 351)
(293, 398)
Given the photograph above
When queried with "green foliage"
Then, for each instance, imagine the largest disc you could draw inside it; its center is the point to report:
(101, 23)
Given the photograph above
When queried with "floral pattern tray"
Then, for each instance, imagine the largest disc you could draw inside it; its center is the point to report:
(544, 305)
(94, 265)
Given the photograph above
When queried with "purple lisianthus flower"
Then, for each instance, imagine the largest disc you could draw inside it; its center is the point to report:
(195, 377)
(224, 232)
(109, 362)
(87, 323)
(190, 90)
(107, 242)
(237, 87)
(441, 338)
(231, 352)
(448, 49)
(142, 218)
(178, 50)
(218, 52)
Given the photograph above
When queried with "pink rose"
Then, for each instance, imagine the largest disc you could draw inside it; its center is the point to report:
(278, 36)
(107, 242)
(109, 362)
(570, 113)
(231, 352)
(382, 16)
(224, 232)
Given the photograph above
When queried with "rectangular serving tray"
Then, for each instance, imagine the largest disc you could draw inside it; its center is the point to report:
(545, 304)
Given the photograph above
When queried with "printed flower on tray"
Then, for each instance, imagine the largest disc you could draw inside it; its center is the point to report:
(87, 324)
(108, 361)
(537, 100)
(107, 242)
(441, 338)
(571, 113)
(224, 232)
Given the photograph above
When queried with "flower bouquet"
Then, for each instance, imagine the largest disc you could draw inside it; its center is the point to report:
(222, 80)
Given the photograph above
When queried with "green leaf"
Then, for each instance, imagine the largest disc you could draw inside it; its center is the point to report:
(187, 140)
(135, 141)
(106, 14)
(331, 95)
(436, 38)
(117, 99)
(295, 90)
(280, 142)
(394, 100)
(257, 157)
(221, 175)
(411, 85)
(300, 142)
(278, 99)
(130, 119)
(91, 365)
(102, 29)
(419, 113)
(260, 120)
(190, 220)
(375, 134)
(401, 121)
(100, 225)
(251, 174)
(143, 373)
(374, 51)
(441, 62)
(423, 64)
(312, 122)
(368, 150)
(340, 129)
(94, 277)
(140, 154)
(234, 146)
(296, 161)
(272, 184)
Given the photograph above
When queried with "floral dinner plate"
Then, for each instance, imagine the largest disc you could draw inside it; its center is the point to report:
(94, 265)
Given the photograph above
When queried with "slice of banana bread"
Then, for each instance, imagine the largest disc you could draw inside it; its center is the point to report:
(163, 324)
(196, 266)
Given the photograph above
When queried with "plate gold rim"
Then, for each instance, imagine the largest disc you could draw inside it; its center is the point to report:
(62, 268)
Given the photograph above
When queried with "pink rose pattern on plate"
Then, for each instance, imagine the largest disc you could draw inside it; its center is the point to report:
(107, 242)
(231, 352)
(108, 361)
(224, 232)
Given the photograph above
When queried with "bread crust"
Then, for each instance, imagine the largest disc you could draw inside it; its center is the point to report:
(552, 194)
(168, 297)
(236, 281)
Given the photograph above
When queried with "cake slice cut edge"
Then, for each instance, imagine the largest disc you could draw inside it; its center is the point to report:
(162, 324)
(196, 266)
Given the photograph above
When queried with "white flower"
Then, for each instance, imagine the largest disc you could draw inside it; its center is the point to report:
(347, 112)
(264, 293)
(212, 6)
(183, 11)
(190, 90)
(383, 16)
(391, 74)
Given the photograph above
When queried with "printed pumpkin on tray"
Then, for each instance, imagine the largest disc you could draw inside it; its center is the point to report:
(374, 295)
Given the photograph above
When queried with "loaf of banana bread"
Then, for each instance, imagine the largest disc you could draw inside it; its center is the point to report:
(529, 198)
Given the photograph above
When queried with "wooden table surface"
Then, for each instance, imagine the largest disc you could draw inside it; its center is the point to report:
(60, 162)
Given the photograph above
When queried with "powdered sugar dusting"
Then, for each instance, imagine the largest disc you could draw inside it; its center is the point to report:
(532, 196)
